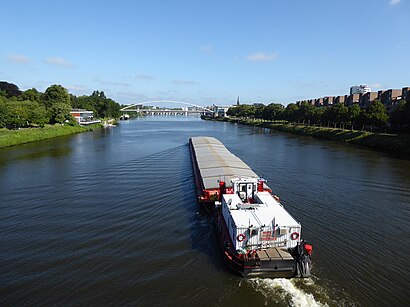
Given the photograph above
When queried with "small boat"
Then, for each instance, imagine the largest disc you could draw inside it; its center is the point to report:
(257, 236)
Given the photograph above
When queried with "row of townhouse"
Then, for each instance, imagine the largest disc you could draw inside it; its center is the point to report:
(390, 98)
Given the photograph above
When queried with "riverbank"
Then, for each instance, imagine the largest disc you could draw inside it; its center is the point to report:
(28, 135)
(381, 141)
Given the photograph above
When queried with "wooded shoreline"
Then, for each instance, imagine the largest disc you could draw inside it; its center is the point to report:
(398, 143)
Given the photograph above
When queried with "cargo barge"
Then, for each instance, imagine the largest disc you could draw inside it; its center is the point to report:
(257, 236)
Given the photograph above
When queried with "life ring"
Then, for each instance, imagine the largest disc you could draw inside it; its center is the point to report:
(241, 237)
(294, 235)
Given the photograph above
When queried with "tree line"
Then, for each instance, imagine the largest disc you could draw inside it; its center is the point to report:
(374, 117)
(31, 108)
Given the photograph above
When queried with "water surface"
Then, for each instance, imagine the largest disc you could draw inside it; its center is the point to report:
(110, 217)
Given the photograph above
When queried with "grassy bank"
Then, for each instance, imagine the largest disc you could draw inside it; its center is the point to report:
(22, 136)
(382, 141)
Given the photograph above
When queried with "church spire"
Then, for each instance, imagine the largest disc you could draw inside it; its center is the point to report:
(237, 101)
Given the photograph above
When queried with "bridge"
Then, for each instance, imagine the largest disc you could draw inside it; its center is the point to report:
(195, 109)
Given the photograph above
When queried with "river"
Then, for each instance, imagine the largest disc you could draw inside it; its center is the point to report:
(110, 217)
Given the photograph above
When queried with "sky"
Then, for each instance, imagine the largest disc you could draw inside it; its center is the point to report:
(206, 52)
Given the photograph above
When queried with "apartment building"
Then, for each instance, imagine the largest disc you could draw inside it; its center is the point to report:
(405, 93)
(363, 96)
(339, 99)
(328, 100)
(319, 102)
(367, 98)
(353, 99)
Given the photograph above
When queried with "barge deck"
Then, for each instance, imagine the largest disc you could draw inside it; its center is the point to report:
(257, 236)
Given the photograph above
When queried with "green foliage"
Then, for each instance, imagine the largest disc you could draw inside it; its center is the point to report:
(318, 116)
(39, 116)
(55, 93)
(4, 112)
(388, 142)
(102, 106)
(376, 115)
(233, 111)
(57, 102)
(10, 89)
(306, 112)
(243, 110)
(341, 114)
(353, 114)
(400, 117)
(34, 109)
(59, 112)
(18, 115)
(337, 116)
(291, 112)
(31, 95)
(22, 114)
(273, 111)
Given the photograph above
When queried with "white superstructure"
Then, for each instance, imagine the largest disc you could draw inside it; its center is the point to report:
(255, 219)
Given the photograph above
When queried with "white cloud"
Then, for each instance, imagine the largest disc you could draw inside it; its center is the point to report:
(144, 77)
(182, 82)
(376, 86)
(76, 88)
(18, 58)
(262, 57)
(206, 49)
(394, 2)
(57, 61)
(111, 82)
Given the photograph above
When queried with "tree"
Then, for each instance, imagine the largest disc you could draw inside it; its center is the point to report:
(98, 103)
(353, 114)
(4, 112)
(400, 117)
(31, 95)
(243, 110)
(259, 110)
(376, 115)
(273, 111)
(10, 89)
(328, 116)
(57, 102)
(18, 115)
(291, 112)
(60, 112)
(340, 114)
(56, 93)
(38, 115)
(306, 112)
(318, 115)
(233, 111)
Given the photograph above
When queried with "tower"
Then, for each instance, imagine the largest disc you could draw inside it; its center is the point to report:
(237, 101)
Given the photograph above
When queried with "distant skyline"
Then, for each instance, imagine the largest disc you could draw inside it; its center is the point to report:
(206, 52)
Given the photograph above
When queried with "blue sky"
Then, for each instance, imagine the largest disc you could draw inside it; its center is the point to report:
(206, 52)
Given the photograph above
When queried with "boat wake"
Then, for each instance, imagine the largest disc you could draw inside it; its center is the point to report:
(290, 292)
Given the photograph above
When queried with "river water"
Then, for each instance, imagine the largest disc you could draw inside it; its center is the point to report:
(110, 217)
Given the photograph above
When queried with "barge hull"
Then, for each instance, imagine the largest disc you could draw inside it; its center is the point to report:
(212, 164)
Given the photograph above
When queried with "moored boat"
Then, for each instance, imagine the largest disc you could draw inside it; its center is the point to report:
(258, 237)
